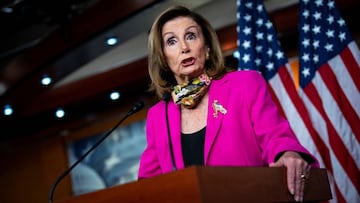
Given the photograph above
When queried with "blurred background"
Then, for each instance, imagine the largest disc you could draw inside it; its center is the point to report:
(70, 69)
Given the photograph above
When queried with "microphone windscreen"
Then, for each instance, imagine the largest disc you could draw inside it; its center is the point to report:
(137, 106)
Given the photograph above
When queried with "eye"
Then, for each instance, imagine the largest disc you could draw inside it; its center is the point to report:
(190, 36)
(171, 41)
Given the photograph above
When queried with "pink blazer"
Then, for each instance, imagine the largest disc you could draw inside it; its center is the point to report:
(250, 133)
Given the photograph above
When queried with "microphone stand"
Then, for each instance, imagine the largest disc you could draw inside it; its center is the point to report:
(137, 106)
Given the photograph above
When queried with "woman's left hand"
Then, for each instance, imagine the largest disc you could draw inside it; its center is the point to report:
(298, 170)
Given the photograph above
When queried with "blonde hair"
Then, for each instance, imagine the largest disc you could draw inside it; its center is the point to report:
(162, 79)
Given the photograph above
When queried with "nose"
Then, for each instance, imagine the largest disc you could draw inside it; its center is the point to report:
(184, 51)
(184, 48)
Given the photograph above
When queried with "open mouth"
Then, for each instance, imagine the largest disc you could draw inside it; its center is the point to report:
(188, 61)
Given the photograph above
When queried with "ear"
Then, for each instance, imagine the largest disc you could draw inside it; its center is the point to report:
(207, 55)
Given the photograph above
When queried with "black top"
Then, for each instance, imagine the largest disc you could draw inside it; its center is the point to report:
(193, 147)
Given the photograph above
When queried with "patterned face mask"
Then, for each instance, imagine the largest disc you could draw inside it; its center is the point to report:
(190, 93)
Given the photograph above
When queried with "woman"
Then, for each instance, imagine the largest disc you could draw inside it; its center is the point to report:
(217, 117)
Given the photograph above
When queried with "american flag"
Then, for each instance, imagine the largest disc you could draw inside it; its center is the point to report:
(315, 112)
(329, 80)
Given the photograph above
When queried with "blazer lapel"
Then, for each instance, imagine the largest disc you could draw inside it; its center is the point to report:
(175, 130)
(217, 104)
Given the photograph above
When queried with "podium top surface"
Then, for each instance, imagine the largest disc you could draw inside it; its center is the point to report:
(198, 184)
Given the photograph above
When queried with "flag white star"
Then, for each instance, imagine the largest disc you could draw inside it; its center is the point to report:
(247, 17)
(247, 31)
(341, 22)
(317, 16)
(259, 35)
(342, 36)
(329, 47)
(330, 33)
(246, 58)
(258, 62)
(316, 29)
(305, 57)
(259, 8)
(246, 44)
(279, 54)
(306, 14)
(249, 5)
(331, 4)
(319, 3)
(270, 66)
(316, 44)
(305, 42)
(330, 19)
(306, 72)
(306, 28)
(269, 52)
(260, 22)
(258, 48)
(316, 58)
(268, 24)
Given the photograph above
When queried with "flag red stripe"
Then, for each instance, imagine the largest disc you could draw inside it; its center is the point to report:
(276, 100)
(335, 89)
(338, 147)
(339, 197)
(352, 66)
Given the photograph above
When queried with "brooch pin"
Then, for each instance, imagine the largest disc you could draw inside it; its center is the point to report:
(218, 108)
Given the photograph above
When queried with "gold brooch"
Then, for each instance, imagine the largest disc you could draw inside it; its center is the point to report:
(218, 108)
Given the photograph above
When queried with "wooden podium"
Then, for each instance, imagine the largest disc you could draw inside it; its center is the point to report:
(210, 185)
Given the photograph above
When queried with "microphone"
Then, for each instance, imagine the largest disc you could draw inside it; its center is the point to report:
(137, 107)
(166, 96)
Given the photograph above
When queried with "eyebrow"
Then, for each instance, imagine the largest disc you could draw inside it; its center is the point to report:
(188, 28)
